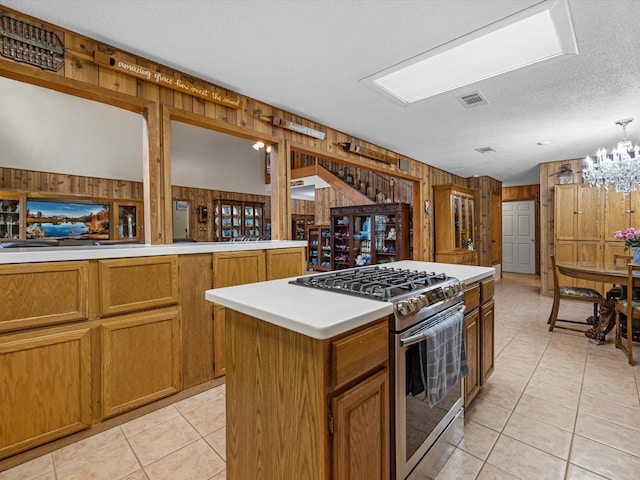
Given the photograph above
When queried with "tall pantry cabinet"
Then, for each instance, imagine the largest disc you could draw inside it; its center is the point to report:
(578, 229)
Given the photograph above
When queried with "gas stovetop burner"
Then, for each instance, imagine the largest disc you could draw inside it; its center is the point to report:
(373, 282)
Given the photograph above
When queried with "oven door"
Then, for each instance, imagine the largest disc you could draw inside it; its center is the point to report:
(420, 431)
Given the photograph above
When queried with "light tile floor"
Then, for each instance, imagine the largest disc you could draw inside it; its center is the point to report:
(556, 407)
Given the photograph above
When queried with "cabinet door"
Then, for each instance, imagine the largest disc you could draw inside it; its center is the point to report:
(229, 269)
(472, 345)
(238, 268)
(360, 442)
(487, 318)
(616, 213)
(12, 217)
(285, 262)
(128, 221)
(46, 388)
(140, 359)
(634, 209)
(566, 200)
(588, 212)
(341, 228)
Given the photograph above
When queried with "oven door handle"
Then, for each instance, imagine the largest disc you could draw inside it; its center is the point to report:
(419, 337)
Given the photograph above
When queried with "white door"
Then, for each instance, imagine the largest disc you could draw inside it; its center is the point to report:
(518, 237)
(180, 219)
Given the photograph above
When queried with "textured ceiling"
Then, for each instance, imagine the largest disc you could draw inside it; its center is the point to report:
(308, 57)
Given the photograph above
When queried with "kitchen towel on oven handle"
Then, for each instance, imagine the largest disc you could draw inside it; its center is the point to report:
(443, 359)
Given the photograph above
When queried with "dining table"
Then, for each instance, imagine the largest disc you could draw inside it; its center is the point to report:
(607, 273)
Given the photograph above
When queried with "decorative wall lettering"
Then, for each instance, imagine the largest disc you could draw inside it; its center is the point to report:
(174, 83)
(367, 152)
(293, 126)
(30, 44)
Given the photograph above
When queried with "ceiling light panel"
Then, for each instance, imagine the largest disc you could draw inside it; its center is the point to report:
(539, 33)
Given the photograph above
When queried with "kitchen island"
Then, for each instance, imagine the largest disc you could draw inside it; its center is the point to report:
(308, 377)
(88, 333)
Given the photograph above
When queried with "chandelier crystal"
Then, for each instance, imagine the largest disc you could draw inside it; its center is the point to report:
(619, 169)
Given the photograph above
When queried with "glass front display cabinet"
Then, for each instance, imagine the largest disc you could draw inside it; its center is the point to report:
(370, 234)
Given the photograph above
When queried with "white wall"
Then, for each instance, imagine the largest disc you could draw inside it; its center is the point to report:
(203, 158)
(45, 130)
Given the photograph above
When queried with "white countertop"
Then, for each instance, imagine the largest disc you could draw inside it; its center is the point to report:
(318, 313)
(93, 252)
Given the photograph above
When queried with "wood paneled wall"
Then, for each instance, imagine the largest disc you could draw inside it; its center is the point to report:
(303, 207)
(82, 77)
(521, 193)
(485, 225)
(43, 182)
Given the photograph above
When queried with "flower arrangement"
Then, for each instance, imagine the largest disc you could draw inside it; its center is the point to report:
(631, 237)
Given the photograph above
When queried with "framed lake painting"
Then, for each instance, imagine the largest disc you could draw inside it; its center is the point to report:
(67, 219)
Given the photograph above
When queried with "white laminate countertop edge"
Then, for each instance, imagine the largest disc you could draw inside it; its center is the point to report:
(322, 314)
(93, 252)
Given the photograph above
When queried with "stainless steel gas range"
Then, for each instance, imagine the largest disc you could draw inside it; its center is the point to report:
(421, 300)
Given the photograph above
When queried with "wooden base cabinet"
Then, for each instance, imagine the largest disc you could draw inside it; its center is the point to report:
(284, 263)
(479, 336)
(360, 423)
(487, 320)
(140, 359)
(298, 390)
(472, 344)
(45, 387)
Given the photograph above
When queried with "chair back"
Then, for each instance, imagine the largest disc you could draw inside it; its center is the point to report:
(621, 260)
(633, 293)
(556, 283)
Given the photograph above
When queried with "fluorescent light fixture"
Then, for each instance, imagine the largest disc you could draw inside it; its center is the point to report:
(539, 33)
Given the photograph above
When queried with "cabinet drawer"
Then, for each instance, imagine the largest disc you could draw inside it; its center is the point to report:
(131, 284)
(36, 294)
(468, 258)
(359, 353)
(472, 296)
(486, 290)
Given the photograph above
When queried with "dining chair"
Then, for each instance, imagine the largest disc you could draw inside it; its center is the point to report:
(619, 261)
(630, 308)
(580, 294)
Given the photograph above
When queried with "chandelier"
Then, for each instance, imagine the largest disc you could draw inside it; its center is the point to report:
(619, 169)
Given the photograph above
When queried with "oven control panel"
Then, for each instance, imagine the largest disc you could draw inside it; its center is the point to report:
(435, 295)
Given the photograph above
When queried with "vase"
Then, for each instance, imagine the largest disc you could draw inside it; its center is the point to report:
(636, 255)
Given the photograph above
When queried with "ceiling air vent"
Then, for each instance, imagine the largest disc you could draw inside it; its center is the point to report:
(485, 149)
(472, 99)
